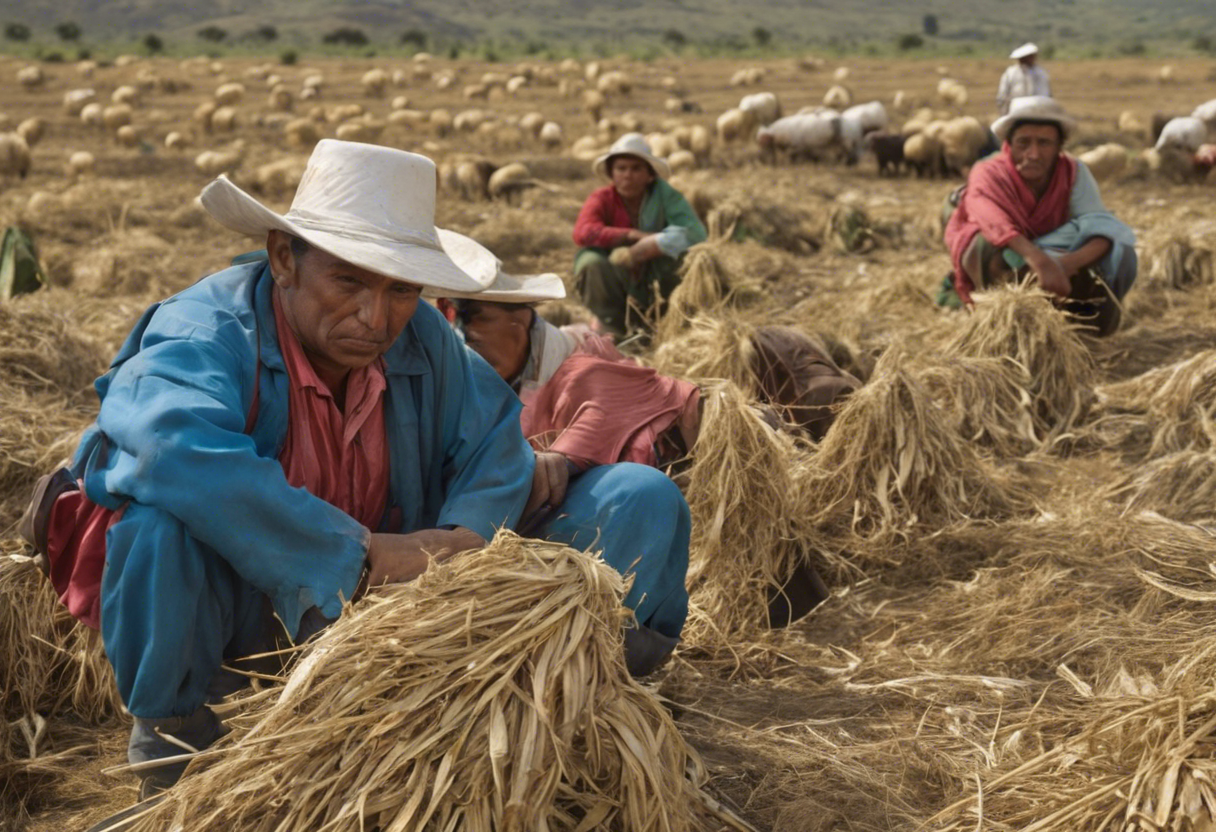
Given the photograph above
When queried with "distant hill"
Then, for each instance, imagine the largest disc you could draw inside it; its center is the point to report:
(989, 24)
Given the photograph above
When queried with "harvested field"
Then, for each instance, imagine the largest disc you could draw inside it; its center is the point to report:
(1015, 519)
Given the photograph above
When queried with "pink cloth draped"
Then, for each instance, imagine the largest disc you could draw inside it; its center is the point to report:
(998, 204)
(339, 455)
(597, 411)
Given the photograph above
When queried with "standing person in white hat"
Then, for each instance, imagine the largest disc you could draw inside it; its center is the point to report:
(1024, 78)
(631, 234)
(287, 430)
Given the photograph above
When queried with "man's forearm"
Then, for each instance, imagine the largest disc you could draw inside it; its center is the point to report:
(1029, 252)
(1089, 253)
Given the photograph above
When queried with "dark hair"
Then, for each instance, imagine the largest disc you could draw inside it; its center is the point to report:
(1022, 122)
(611, 160)
(467, 307)
(299, 246)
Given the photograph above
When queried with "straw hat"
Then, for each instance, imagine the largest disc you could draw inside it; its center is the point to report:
(1024, 51)
(371, 206)
(1034, 108)
(506, 288)
(632, 144)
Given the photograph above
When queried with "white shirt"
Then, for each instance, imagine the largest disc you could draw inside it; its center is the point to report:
(1020, 80)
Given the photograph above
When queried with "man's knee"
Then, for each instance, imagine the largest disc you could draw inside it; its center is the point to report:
(634, 487)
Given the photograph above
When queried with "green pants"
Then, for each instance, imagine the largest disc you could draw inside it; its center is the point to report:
(619, 297)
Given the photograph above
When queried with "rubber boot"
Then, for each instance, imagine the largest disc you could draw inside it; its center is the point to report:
(646, 649)
(148, 745)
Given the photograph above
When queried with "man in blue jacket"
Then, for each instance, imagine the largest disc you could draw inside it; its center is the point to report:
(288, 430)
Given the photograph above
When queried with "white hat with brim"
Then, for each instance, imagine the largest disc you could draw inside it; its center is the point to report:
(632, 144)
(506, 288)
(1038, 108)
(1024, 51)
(370, 206)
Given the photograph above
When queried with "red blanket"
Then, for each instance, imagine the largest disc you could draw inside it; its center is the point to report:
(998, 204)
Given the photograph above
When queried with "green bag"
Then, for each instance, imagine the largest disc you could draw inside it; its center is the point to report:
(20, 271)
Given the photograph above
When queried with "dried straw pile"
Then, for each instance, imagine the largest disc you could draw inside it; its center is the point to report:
(893, 463)
(1021, 324)
(769, 223)
(1181, 486)
(717, 346)
(1165, 410)
(489, 694)
(748, 527)
(705, 288)
(985, 399)
(1182, 253)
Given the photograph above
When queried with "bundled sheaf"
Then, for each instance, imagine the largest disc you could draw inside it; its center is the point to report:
(1021, 324)
(1181, 486)
(705, 287)
(1182, 253)
(1168, 409)
(491, 693)
(985, 399)
(710, 347)
(748, 530)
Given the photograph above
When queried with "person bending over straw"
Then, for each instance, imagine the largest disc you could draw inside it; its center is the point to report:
(631, 512)
(287, 429)
(1033, 205)
(631, 235)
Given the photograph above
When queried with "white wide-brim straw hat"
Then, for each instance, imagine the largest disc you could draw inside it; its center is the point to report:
(1034, 108)
(506, 288)
(370, 206)
(1025, 50)
(632, 144)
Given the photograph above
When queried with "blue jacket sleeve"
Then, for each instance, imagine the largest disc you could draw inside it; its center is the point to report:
(487, 462)
(174, 416)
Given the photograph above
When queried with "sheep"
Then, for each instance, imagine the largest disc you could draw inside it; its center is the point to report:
(412, 119)
(279, 177)
(592, 71)
(764, 105)
(682, 161)
(1129, 122)
(1105, 161)
(963, 139)
(1206, 112)
(126, 95)
(225, 120)
(215, 162)
(314, 82)
(79, 164)
(586, 148)
(515, 84)
(472, 178)
(30, 76)
(91, 115)
(360, 131)
(631, 123)
(661, 144)
(871, 116)
(1186, 133)
(280, 100)
(736, 125)
(308, 94)
(422, 57)
(614, 83)
(14, 155)
(374, 81)
(1158, 123)
(75, 100)
(115, 116)
(952, 92)
(401, 102)
(551, 134)
(509, 181)
(1165, 75)
(888, 149)
(809, 63)
(126, 136)
(570, 66)
(532, 123)
(301, 133)
(902, 102)
(343, 112)
(593, 103)
(441, 122)
(747, 77)
(32, 130)
(841, 74)
(803, 135)
(501, 134)
(698, 142)
(229, 94)
(176, 141)
(1172, 162)
(86, 68)
(475, 91)
(838, 98)
(924, 154)
(202, 114)
(469, 120)
(567, 88)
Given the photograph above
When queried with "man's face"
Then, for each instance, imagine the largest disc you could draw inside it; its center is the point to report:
(1035, 148)
(345, 316)
(499, 333)
(630, 176)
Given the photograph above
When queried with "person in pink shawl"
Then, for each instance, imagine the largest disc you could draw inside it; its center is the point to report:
(1032, 205)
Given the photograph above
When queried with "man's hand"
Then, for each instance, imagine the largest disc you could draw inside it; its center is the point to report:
(1052, 275)
(549, 481)
(399, 558)
(636, 235)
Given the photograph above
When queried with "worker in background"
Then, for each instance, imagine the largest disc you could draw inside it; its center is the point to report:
(1024, 78)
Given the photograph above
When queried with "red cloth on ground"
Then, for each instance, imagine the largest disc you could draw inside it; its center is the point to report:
(603, 221)
(339, 455)
(597, 412)
(1000, 205)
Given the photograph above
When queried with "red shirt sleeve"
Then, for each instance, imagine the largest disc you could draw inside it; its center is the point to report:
(593, 227)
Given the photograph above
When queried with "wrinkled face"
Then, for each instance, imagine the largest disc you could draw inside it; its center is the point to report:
(1035, 148)
(499, 333)
(345, 316)
(630, 176)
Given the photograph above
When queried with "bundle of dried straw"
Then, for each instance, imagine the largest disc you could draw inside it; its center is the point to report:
(489, 694)
(1181, 486)
(714, 346)
(1175, 405)
(704, 288)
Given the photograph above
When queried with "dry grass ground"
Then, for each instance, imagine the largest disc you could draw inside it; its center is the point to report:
(1047, 665)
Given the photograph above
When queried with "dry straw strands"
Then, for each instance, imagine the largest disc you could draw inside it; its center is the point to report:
(1182, 486)
(1020, 324)
(489, 694)
(1182, 254)
(710, 347)
(985, 399)
(1176, 405)
(748, 527)
(704, 288)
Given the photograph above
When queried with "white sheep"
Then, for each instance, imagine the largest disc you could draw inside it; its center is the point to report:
(375, 81)
(1106, 161)
(551, 134)
(227, 95)
(400, 77)
(532, 123)
(1206, 112)
(1186, 133)
(509, 180)
(441, 121)
(594, 103)
(412, 119)
(682, 161)
(92, 115)
(75, 100)
(1166, 75)
(469, 120)
(661, 144)
(400, 102)
(871, 115)
(126, 94)
(279, 177)
(86, 68)
(116, 115)
(215, 162)
(838, 98)
(314, 82)
(126, 136)
(1129, 122)
(764, 105)
(32, 130)
(962, 140)
(802, 134)
(952, 92)
(225, 120)
(301, 133)
(14, 155)
(30, 76)
(360, 131)
(343, 112)
(615, 82)
(79, 164)
(736, 125)
(924, 153)
(841, 74)
(515, 84)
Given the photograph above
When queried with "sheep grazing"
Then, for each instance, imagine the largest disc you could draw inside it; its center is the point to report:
(225, 120)
(375, 82)
(314, 82)
(14, 155)
(736, 125)
(586, 148)
(532, 123)
(412, 119)
(682, 161)
(472, 178)
(963, 139)
(551, 134)
(280, 100)
(764, 105)
(515, 84)
(592, 71)
(952, 93)
(202, 114)
(176, 141)
(888, 150)
(116, 115)
(838, 98)
(469, 120)
(76, 100)
(614, 83)
(343, 112)
(509, 181)
(1186, 133)
(1166, 75)
(1206, 112)
(662, 145)
(360, 131)
(812, 135)
(127, 136)
(747, 77)
(227, 95)
(594, 103)
(32, 130)
(476, 91)
(79, 163)
(1106, 161)
(569, 66)
(215, 162)
(301, 133)
(86, 68)
(401, 102)
(92, 115)
(924, 154)
(280, 177)
(30, 76)
(441, 122)
(126, 94)
(1129, 122)
(699, 142)
(871, 116)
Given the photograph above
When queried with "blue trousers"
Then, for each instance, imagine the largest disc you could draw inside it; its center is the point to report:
(639, 519)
